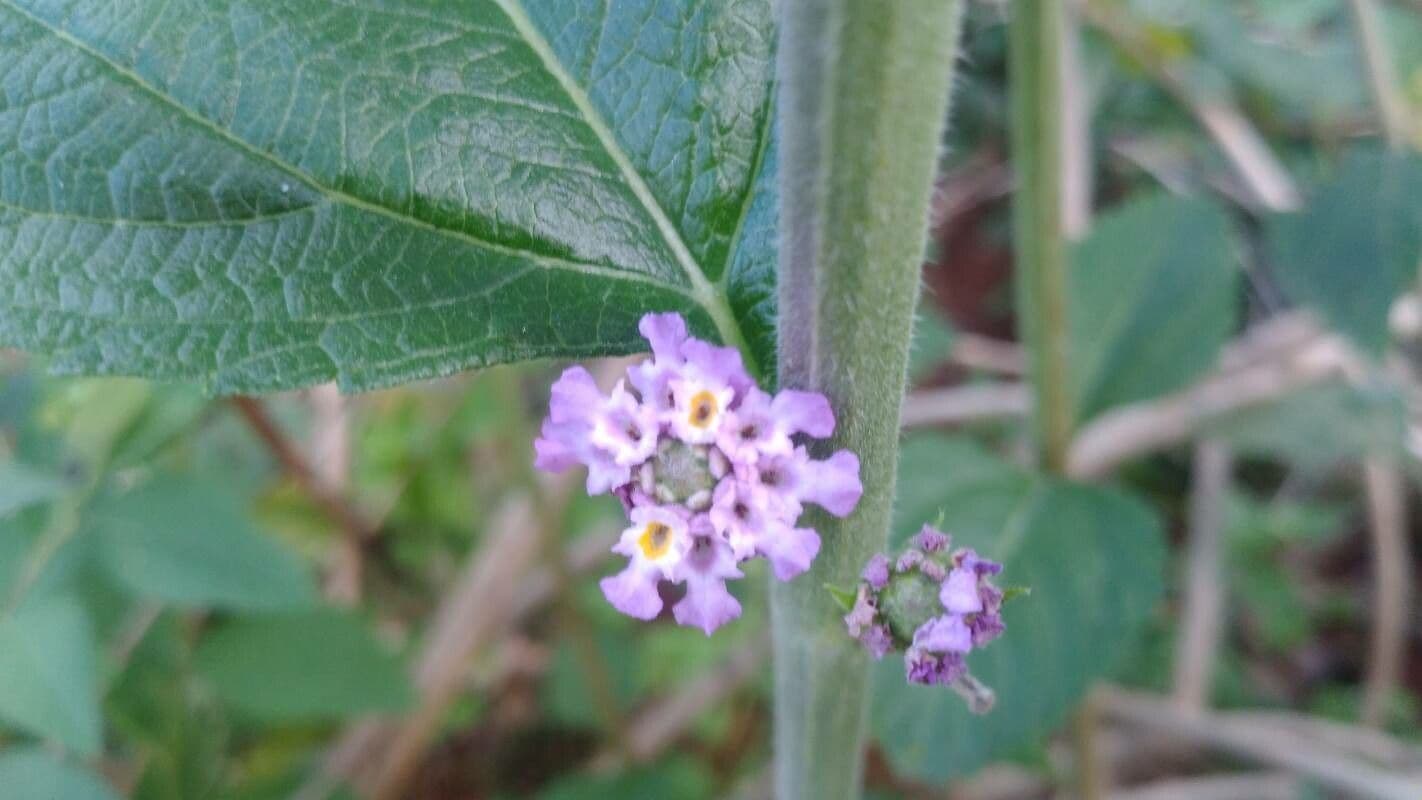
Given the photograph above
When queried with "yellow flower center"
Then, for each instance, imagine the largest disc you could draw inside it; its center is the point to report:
(703, 409)
(655, 540)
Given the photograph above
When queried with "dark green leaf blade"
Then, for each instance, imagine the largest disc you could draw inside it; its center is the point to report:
(187, 541)
(369, 192)
(1356, 245)
(317, 664)
(1153, 299)
(1094, 560)
(48, 674)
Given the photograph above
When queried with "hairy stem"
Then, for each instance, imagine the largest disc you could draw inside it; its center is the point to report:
(1034, 43)
(863, 98)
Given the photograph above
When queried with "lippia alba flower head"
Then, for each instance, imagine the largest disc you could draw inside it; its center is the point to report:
(935, 604)
(712, 470)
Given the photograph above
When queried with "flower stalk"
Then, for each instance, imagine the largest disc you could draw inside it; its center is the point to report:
(864, 91)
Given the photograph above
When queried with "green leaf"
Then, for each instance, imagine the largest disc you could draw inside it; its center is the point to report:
(22, 486)
(35, 774)
(677, 777)
(48, 674)
(316, 664)
(188, 541)
(1321, 425)
(262, 196)
(1357, 244)
(1152, 300)
(1094, 559)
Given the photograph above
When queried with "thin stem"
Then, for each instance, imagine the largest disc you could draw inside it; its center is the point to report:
(1197, 644)
(1392, 590)
(1034, 44)
(863, 98)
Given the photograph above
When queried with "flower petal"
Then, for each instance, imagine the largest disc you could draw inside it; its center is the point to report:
(790, 550)
(803, 412)
(666, 333)
(959, 594)
(707, 605)
(574, 396)
(833, 483)
(633, 591)
(945, 634)
(722, 364)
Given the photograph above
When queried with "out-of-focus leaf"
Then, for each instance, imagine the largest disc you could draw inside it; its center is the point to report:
(1152, 300)
(22, 486)
(285, 201)
(188, 541)
(1356, 245)
(316, 664)
(1094, 559)
(35, 774)
(151, 702)
(1321, 425)
(679, 778)
(94, 415)
(48, 674)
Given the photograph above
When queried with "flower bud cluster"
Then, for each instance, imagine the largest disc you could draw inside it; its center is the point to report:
(934, 604)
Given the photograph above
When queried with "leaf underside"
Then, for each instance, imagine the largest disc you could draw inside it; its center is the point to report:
(261, 196)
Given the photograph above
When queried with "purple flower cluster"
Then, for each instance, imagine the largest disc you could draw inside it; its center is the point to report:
(706, 465)
(935, 604)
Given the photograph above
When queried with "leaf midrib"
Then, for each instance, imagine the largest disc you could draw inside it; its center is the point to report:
(702, 290)
(699, 289)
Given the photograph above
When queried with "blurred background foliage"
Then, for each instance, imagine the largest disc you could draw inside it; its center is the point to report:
(309, 596)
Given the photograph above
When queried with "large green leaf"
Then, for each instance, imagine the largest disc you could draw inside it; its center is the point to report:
(34, 774)
(1094, 559)
(1357, 244)
(316, 664)
(22, 485)
(264, 195)
(1152, 300)
(48, 677)
(189, 542)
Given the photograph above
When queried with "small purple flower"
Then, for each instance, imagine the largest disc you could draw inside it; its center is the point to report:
(931, 541)
(945, 598)
(933, 669)
(876, 572)
(655, 546)
(959, 594)
(705, 463)
(863, 624)
(706, 568)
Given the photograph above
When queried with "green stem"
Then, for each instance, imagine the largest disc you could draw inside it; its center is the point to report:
(864, 92)
(1041, 268)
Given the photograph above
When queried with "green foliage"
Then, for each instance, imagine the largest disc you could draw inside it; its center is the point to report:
(1094, 559)
(256, 199)
(35, 774)
(188, 542)
(1152, 300)
(1320, 425)
(317, 664)
(1356, 245)
(48, 678)
(22, 486)
(672, 777)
